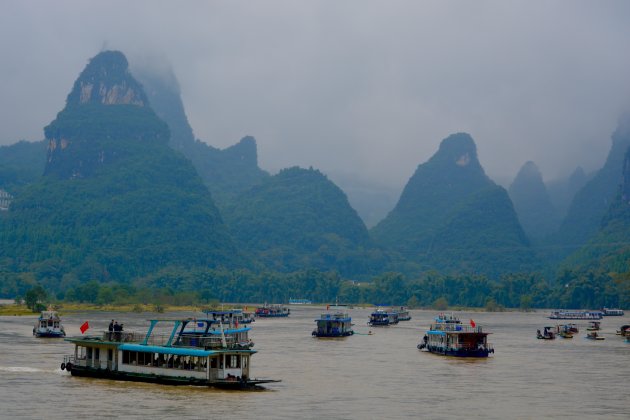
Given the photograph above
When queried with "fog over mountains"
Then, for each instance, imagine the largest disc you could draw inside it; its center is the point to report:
(361, 88)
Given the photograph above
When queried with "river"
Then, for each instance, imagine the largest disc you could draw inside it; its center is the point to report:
(379, 376)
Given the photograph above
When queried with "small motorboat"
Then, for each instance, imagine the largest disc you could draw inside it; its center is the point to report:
(594, 326)
(566, 331)
(624, 331)
(547, 334)
(594, 336)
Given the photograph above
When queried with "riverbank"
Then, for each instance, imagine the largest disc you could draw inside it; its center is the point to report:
(20, 310)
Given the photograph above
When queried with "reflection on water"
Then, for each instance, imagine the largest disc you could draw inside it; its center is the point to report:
(381, 375)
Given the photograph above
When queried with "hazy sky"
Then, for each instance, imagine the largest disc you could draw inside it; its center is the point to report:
(368, 88)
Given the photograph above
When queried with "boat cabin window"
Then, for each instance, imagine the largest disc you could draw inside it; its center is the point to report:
(233, 361)
(80, 352)
(168, 361)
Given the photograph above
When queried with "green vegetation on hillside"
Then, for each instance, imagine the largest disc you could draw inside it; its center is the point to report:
(21, 163)
(176, 286)
(298, 218)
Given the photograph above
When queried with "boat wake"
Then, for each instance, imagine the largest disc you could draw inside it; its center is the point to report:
(25, 369)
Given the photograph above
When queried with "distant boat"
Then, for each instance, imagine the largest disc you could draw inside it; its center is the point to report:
(212, 352)
(49, 325)
(403, 314)
(612, 312)
(594, 336)
(239, 315)
(335, 324)
(594, 326)
(383, 317)
(566, 331)
(576, 315)
(448, 336)
(546, 334)
(272, 311)
(624, 331)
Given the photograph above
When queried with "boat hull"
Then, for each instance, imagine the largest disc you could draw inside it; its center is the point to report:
(50, 334)
(459, 352)
(331, 335)
(250, 384)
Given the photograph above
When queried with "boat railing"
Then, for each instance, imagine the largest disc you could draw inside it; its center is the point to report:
(456, 328)
(333, 317)
(200, 341)
(123, 336)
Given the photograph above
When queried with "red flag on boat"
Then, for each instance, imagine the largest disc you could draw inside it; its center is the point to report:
(84, 327)
(472, 323)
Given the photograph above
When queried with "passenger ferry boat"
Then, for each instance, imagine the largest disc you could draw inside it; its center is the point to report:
(612, 312)
(403, 314)
(576, 315)
(383, 317)
(49, 325)
(241, 316)
(336, 324)
(449, 337)
(272, 311)
(206, 352)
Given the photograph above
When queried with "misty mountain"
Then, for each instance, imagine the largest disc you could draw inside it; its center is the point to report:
(228, 172)
(452, 217)
(532, 203)
(593, 200)
(21, 163)
(609, 249)
(299, 218)
(116, 201)
(561, 191)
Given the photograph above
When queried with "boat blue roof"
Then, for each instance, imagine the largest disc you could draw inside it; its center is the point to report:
(334, 319)
(167, 350)
(227, 331)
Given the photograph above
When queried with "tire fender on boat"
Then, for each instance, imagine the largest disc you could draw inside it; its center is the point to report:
(69, 367)
(63, 366)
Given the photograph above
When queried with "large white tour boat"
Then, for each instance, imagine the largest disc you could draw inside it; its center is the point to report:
(575, 315)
